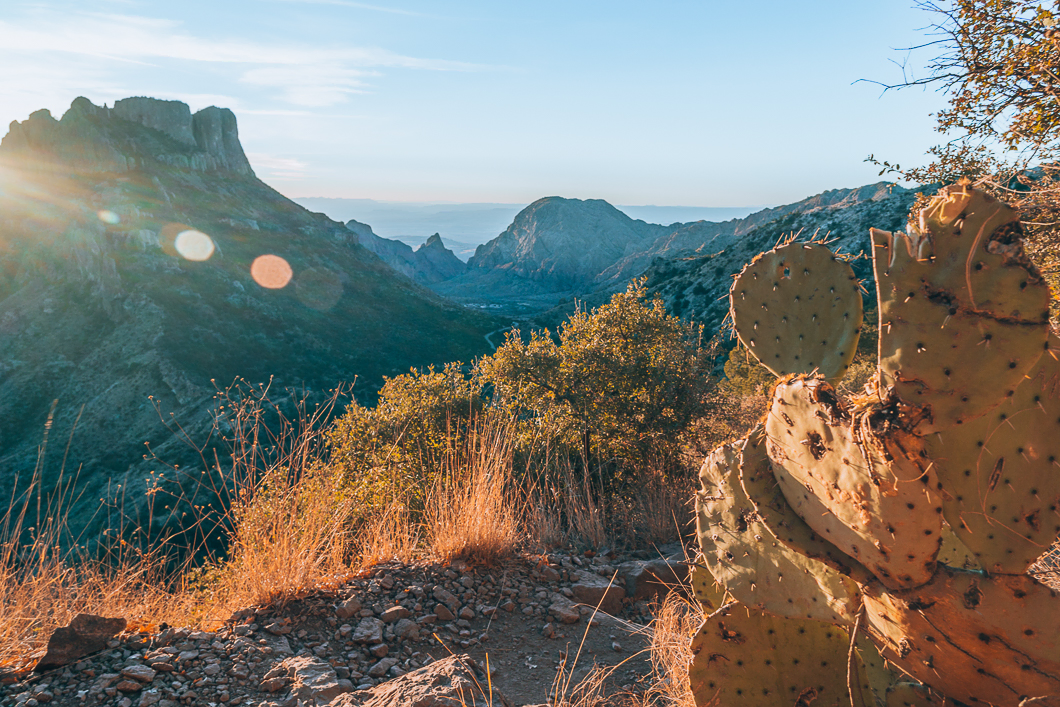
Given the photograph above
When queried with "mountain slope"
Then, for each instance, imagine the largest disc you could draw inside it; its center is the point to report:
(99, 309)
(554, 246)
(430, 263)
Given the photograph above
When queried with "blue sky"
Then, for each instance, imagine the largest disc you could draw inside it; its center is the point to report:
(709, 103)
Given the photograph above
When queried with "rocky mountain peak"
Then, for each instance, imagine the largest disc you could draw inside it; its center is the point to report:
(135, 131)
(434, 243)
(564, 243)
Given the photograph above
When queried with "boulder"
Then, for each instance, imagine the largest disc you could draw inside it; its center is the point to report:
(645, 579)
(594, 590)
(456, 681)
(85, 634)
(313, 682)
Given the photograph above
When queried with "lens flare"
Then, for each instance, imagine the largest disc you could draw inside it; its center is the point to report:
(194, 245)
(271, 271)
(108, 217)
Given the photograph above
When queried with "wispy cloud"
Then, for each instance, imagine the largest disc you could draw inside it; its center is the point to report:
(299, 74)
(271, 166)
(358, 5)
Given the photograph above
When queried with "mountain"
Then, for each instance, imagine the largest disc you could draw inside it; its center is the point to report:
(555, 247)
(143, 265)
(432, 262)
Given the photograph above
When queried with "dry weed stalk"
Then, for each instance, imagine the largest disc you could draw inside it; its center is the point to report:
(474, 511)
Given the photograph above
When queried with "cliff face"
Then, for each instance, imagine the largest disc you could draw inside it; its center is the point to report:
(431, 263)
(564, 243)
(127, 292)
(92, 138)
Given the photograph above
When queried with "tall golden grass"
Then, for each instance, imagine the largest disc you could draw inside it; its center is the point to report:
(292, 522)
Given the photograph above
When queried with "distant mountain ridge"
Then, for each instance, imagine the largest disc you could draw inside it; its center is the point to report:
(556, 248)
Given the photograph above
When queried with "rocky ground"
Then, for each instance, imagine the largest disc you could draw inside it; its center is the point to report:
(380, 636)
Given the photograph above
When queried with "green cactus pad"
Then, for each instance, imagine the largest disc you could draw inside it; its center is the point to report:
(857, 480)
(876, 678)
(798, 309)
(963, 313)
(1001, 473)
(745, 657)
(974, 638)
(752, 566)
(777, 515)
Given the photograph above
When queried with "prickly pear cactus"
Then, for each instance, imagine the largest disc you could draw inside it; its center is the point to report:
(957, 295)
(909, 515)
(798, 309)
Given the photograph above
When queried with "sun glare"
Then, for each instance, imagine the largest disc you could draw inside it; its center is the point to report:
(194, 245)
(271, 271)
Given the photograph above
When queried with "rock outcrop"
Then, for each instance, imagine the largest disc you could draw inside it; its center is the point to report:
(93, 138)
(562, 244)
(431, 263)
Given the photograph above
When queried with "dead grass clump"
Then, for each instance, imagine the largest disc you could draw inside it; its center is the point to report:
(474, 511)
(566, 508)
(389, 535)
(676, 622)
(46, 579)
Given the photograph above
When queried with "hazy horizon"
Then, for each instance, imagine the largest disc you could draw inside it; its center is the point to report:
(465, 225)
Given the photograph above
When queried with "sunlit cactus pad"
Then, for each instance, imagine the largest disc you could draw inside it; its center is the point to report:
(798, 309)
(750, 563)
(980, 640)
(963, 313)
(916, 508)
(858, 481)
(745, 657)
(1001, 473)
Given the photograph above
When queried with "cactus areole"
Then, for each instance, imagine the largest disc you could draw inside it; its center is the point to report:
(891, 531)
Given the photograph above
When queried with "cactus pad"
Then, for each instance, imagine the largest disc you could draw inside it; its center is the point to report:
(777, 515)
(798, 309)
(706, 591)
(957, 295)
(750, 563)
(745, 657)
(1001, 473)
(973, 638)
(858, 481)
(911, 694)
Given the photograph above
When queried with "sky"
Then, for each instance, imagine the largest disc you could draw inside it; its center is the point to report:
(704, 103)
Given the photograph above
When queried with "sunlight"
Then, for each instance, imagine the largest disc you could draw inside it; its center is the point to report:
(271, 271)
(108, 217)
(194, 245)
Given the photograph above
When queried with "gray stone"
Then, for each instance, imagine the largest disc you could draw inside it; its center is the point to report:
(456, 680)
(593, 590)
(380, 669)
(369, 630)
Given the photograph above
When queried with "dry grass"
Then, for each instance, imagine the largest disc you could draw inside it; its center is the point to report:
(45, 580)
(677, 620)
(293, 522)
(474, 511)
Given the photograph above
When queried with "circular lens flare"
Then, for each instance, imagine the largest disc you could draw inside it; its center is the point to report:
(194, 245)
(108, 217)
(271, 271)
